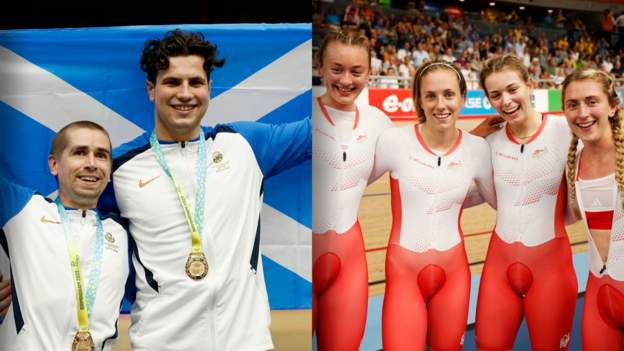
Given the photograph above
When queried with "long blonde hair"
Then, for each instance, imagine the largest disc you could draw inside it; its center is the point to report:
(617, 130)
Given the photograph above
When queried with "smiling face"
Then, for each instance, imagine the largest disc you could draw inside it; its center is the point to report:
(82, 168)
(440, 98)
(344, 71)
(510, 96)
(587, 109)
(180, 95)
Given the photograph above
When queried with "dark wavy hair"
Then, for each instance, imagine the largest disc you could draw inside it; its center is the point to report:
(177, 42)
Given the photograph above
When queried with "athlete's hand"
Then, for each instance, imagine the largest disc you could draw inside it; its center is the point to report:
(488, 126)
(5, 296)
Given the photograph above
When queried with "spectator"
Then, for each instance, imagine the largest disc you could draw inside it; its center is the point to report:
(332, 18)
(560, 19)
(548, 21)
(426, 38)
(606, 64)
(526, 57)
(448, 55)
(376, 64)
(535, 70)
(551, 66)
(351, 17)
(420, 54)
(607, 23)
(545, 80)
(404, 51)
(389, 79)
(475, 62)
(519, 46)
(559, 76)
(470, 75)
(619, 23)
(406, 71)
(617, 70)
(569, 66)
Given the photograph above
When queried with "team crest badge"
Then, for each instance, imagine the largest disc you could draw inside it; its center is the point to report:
(454, 165)
(109, 237)
(217, 157)
(539, 152)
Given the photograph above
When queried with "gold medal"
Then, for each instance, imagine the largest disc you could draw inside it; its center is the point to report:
(83, 342)
(196, 266)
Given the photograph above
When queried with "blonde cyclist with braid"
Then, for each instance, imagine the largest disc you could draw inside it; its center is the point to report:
(595, 176)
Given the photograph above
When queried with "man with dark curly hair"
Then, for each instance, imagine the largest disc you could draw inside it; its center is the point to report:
(192, 195)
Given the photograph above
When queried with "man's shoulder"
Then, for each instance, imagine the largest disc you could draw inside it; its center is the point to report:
(128, 150)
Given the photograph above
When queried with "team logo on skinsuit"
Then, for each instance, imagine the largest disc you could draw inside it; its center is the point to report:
(419, 161)
(509, 157)
(44, 219)
(109, 237)
(565, 339)
(454, 166)
(361, 138)
(539, 152)
(323, 133)
(217, 157)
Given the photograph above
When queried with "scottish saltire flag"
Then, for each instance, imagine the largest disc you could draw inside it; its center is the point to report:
(49, 78)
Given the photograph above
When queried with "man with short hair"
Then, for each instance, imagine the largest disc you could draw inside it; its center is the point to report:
(192, 196)
(68, 264)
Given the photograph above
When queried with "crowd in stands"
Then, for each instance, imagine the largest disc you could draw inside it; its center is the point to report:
(400, 43)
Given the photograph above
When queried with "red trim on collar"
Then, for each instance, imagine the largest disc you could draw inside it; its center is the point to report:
(421, 140)
(328, 117)
(533, 137)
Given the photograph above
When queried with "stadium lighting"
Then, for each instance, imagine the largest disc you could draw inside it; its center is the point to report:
(521, 7)
(550, 11)
(492, 3)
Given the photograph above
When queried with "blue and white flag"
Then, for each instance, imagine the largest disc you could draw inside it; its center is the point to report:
(52, 77)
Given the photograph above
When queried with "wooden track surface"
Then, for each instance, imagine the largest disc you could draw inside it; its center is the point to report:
(477, 223)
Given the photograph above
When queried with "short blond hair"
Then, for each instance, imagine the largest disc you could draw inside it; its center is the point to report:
(59, 143)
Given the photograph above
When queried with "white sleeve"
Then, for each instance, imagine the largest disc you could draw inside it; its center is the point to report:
(484, 176)
(383, 150)
(384, 125)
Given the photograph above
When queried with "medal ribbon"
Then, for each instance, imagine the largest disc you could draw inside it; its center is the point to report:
(84, 301)
(195, 223)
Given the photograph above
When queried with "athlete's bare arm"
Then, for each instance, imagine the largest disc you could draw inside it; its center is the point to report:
(487, 127)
